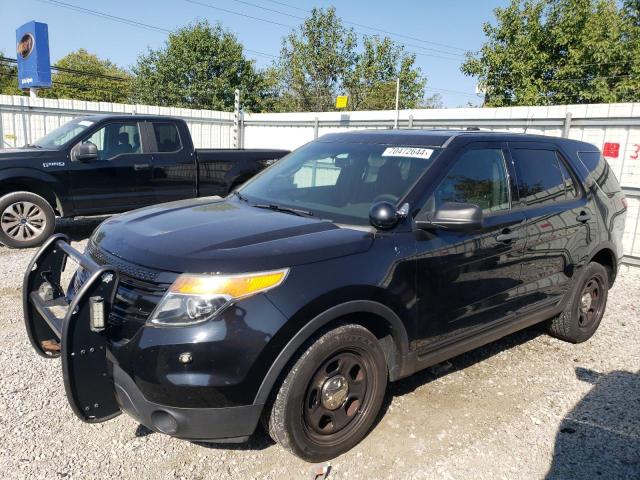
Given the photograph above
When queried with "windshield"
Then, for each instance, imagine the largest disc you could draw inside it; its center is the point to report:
(61, 135)
(340, 181)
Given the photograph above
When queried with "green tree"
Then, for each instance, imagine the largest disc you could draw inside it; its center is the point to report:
(85, 76)
(371, 84)
(199, 66)
(8, 79)
(546, 52)
(322, 59)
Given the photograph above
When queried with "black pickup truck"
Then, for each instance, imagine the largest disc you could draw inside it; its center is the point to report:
(104, 164)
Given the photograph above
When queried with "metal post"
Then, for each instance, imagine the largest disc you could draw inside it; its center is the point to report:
(316, 127)
(567, 125)
(242, 128)
(236, 118)
(410, 121)
(33, 93)
(397, 103)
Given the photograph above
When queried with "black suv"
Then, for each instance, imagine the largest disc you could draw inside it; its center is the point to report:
(358, 259)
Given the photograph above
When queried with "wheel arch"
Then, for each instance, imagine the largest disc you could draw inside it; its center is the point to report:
(379, 319)
(41, 184)
(605, 255)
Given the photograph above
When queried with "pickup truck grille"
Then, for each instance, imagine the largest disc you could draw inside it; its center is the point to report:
(136, 297)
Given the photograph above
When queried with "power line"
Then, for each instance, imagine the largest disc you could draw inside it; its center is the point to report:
(387, 32)
(298, 17)
(126, 21)
(273, 22)
(73, 71)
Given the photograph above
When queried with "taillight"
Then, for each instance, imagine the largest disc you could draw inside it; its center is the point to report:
(624, 202)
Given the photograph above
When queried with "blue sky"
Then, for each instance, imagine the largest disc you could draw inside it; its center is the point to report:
(455, 25)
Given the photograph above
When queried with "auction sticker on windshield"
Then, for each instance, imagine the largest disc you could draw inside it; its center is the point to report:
(413, 152)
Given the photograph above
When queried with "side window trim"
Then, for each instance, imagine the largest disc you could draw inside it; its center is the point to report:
(506, 159)
(114, 122)
(175, 126)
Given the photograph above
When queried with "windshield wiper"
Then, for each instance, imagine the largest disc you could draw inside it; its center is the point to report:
(240, 196)
(31, 145)
(279, 208)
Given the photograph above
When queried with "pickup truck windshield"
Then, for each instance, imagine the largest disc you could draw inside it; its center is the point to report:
(340, 181)
(63, 134)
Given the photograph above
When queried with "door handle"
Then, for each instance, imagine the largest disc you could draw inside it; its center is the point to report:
(583, 217)
(141, 166)
(507, 235)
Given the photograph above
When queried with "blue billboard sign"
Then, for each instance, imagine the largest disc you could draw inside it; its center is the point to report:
(32, 49)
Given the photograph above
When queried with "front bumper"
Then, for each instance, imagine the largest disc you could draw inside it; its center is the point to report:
(97, 388)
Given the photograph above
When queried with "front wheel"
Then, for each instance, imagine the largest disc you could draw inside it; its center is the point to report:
(331, 395)
(26, 220)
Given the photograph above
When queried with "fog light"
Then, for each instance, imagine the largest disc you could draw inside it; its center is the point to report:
(164, 422)
(96, 314)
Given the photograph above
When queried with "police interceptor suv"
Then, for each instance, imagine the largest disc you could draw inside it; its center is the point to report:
(354, 261)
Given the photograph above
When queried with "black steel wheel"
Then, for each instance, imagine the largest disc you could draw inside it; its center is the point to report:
(331, 394)
(585, 307)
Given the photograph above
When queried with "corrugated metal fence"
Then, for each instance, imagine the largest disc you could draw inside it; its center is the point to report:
(25, 119)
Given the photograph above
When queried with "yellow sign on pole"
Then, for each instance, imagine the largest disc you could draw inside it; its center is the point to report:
(341, 101)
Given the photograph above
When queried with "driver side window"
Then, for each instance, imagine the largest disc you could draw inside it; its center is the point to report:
(116, 139)
(479, 177)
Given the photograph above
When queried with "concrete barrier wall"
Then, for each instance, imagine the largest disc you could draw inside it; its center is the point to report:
(617, 126)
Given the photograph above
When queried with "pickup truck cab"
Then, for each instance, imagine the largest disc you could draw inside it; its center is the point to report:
(104, 164)
(359, 259)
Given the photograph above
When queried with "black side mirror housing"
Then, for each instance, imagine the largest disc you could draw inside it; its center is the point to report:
(86, 151)
(461, 217)
(383, 215)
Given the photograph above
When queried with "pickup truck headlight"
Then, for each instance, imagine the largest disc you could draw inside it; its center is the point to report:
(197, 298)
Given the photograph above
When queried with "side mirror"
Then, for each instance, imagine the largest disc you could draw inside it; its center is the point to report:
(384, 215)
(86, 151)
(462, 217)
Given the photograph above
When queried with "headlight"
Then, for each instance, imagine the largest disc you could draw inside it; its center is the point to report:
(197, 298)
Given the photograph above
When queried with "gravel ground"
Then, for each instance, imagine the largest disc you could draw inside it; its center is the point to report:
(527, 406)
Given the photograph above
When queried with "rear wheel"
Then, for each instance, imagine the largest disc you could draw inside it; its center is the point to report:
(585, 308)
(331, 395)
(26, 220)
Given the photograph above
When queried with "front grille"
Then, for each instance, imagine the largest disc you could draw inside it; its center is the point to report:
(136, 296)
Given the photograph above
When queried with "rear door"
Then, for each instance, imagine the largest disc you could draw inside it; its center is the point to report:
(559, 221)
(120, 178)
(470, 281)
(174, 163)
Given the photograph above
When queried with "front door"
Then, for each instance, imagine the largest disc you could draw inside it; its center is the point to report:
(468, 281)
(120, 178)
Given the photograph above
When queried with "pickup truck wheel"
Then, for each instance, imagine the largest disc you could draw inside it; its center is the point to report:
(585, 307)
(331, 395)
(26, 220)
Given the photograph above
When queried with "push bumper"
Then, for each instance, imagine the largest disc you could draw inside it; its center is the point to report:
(97, 388)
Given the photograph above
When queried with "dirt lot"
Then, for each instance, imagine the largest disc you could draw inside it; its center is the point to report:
(528, 406)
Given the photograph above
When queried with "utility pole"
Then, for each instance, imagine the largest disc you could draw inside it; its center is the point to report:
(397, 103)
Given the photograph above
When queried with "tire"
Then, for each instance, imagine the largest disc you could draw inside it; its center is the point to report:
(313, 414)
(585, 307)
(26, 220)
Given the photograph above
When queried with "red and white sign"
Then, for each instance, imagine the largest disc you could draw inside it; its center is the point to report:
(611, 150)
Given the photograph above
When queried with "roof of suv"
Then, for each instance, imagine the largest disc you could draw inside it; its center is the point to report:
(434, 138)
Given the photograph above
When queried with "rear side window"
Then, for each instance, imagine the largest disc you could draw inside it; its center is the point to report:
(600, 171)
(478, 177)
(167, 137)
(540, 178)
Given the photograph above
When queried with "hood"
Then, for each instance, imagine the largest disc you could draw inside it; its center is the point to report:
(228, 236)
(24, 153)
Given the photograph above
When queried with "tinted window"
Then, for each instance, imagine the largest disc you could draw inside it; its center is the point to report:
(167, 137)
(116, 139)
(569, 183)
(600, 171)
(477, 177)
(540, 179)
(340, 181)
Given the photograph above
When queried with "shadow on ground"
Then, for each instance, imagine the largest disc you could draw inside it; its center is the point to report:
(600, 437)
